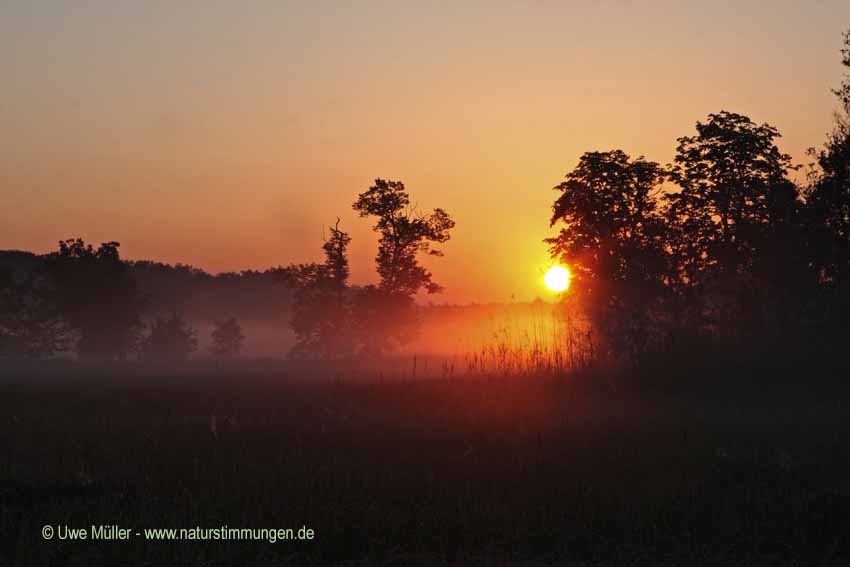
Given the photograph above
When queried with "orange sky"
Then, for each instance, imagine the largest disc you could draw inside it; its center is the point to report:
(225, 135)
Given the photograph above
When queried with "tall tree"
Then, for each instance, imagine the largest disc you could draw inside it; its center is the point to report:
(828, 198)
(728, 175)
(322, 314)
(734, 205)
(385, 313)
(94, 291)
(612, 238)
(404, 234)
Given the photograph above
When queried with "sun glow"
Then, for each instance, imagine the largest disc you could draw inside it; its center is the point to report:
(557, 279)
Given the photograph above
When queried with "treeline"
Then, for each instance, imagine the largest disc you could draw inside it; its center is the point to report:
(721, 252)
(90, 302)
(262, 297)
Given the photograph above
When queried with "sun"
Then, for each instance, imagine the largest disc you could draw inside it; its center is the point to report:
(557, 278)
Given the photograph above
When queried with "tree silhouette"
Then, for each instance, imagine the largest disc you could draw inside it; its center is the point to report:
(30, 327)
(322, 314)
(170, 340)
(405, 234)
(383, 320)
(227, 338)
(336, 261)
(385, 314)
(734, 199)
(828, 199)
(95, 293)
(613, 239)
(727, 174)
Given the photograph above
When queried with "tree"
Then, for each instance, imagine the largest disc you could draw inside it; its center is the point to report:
(322, 313)
(727, 175)
(382, 320)
(170, 339)
(828, 197)
(734, 201)
(612, 239)
(336, 261)
(405, 234)
(95, 293)
(385, 313)
(227, 338)
(29, 324)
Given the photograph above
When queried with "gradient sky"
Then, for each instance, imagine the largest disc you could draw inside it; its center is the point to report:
(226, 134)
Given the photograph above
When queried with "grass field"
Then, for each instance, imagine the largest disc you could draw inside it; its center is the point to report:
(426, 472)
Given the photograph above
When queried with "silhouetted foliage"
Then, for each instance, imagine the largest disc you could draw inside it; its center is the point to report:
(95, 293)
(404, 234)
(613, 239)
(30, 327)
(260, 298)
(170, 340)
(383, 321)
(828, 198)
(227, 338)
(727, 174)
(322, 315)
(734, 201)
(725, 257)
(264, 297)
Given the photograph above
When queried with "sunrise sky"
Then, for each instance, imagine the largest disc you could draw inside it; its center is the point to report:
(226, 134)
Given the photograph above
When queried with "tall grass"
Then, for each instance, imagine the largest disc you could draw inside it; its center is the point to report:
(539, 339)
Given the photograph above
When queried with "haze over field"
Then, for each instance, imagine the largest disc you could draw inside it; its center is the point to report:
(205, 133)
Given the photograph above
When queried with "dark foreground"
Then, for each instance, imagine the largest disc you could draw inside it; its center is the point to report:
(443, 472)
